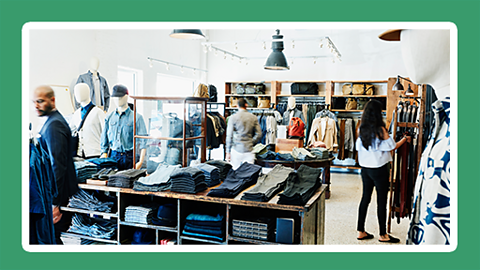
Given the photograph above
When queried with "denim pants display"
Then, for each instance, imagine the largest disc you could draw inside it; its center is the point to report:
(103, 162)
(212, 174)
(158, 180)
(269, 155)
(125, 178)
(124, 159)
(223, 166)
(284, 156)
(138, 214)
(300, 189)
(205, 226)
(302, 154)
(237, 180)
(96, 228)
(84, 200)
(320, 153)
(269, 184)
(378, 178)
(84, 170)
(188, 180)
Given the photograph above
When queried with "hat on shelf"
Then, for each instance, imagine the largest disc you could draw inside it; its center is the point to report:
(391, 35)
(166, 215)
(143, 237)
(119, 91)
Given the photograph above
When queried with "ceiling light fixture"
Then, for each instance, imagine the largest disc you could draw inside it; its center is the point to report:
(399, 87)
(187, 34)
(168, 64)
(277, 60)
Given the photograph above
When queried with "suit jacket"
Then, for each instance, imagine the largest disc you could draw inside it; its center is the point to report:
(55, 139)
(325, 130)
(104, 92)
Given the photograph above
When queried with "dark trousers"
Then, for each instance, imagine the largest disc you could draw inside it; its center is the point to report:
(124, 159)
(62, 226)
(378, 178)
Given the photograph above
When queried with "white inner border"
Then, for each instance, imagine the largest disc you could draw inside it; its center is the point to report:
(241, 25)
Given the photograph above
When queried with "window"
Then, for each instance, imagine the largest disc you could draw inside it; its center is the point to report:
(132, 79)
(172, 86)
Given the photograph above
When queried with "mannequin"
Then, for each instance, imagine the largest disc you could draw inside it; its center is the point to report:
(292, 111)
(426, 55)
(291, 103)
(89, 134)
(118, 133)
(99, 92)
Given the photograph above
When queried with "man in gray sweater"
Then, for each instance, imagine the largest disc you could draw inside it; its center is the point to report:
(243, 132)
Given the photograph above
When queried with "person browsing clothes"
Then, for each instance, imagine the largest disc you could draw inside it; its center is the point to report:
(243, 132)
(375, 147)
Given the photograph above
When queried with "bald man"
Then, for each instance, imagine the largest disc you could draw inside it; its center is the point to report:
(55, 138)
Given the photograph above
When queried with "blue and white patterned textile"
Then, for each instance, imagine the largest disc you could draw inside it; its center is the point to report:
(430, 224)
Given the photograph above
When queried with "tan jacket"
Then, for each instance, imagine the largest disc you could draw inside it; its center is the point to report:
(324, 130)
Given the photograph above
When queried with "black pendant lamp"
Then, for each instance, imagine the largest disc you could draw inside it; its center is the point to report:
(399, 87)
(277, 60)
(187, 34)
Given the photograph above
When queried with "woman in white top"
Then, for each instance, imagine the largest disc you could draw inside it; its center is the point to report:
(375, 147)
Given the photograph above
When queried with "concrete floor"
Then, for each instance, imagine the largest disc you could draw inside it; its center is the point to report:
(342, 209)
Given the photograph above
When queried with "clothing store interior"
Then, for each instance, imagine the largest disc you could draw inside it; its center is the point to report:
(165, 152)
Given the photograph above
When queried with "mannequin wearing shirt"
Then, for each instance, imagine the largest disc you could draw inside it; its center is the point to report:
(89, 135)
(107, 137)
(292, 111)
(426, 54)
(99, 93)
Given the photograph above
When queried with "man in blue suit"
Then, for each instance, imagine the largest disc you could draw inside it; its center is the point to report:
(55, 138)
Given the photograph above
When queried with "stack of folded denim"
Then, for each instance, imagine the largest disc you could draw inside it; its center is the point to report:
(269, 184)
(237, 180)
(139, 214)
(84, 200)
(188, 180)
(125, 178)
(259, 149)
(84, 170)
(302, 154)
(320, 152)
(284, 156)
(103, 162)
(97, 228)
(212, 174)
(268, 155)
(223, 166)
(205, 226)
(104, 173)
(157, 181)
(299, 189)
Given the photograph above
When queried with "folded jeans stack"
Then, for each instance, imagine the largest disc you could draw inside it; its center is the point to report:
(204, 226)
(284, 156)
(84, 200)
(96, 228)
(299, 189)
(269, 184)
(104, 173)
(125, 178)
(237, 180)
(212, 174)
(268, 155)
(84, 170)
(223, 166)
(158, 180)
(302, 154)
(138, 214)
(319, 152)
(103, 162)
(188, 180)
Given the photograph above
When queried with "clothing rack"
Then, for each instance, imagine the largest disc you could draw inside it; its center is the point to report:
(216, 107)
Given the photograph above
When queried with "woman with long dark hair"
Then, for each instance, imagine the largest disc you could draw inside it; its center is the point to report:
(375, 147)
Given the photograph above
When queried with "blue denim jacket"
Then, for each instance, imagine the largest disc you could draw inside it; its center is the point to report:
(117, 134)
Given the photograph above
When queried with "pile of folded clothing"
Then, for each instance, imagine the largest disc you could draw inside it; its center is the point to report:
(143, 236)
(84, 200)
(223, 166)
(158, 180)
(125, 179)
(302, 154)
(103, 162)
(84, 170)
(188, 180)
(237, 180)
(210, 227)
(104, 173)
(319, 152)
(268, 155)
(139, 214)
(212, 173)
(284, 156)
(269, 184)
(93, 227)
(299, 189)
(165, 215)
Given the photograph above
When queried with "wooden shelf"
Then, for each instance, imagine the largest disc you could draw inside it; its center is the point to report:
(405, 124)
(251, 241)
(235, 108)
(90, 212)
(202, 240)
(367, 81)
(346, 167)
(336, 110)
(247, 95)
(367, 96)
(286, 95)
(90, 238)
(149, 226)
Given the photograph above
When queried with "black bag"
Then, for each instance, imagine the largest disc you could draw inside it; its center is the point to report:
(212, 93)
(260, 88)
(304, 89)
(75, 139)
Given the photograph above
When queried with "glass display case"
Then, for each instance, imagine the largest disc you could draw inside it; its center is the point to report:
(175, 131)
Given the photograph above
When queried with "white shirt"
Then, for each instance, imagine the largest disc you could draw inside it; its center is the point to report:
(98, 95)
(90, 134)
(378, 153)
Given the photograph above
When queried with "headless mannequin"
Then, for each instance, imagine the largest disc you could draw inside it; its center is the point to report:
(291, 105)
(122, 105)
(94, 64)
(82, 93)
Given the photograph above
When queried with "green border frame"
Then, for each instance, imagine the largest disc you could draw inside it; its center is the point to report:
(464, 13)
